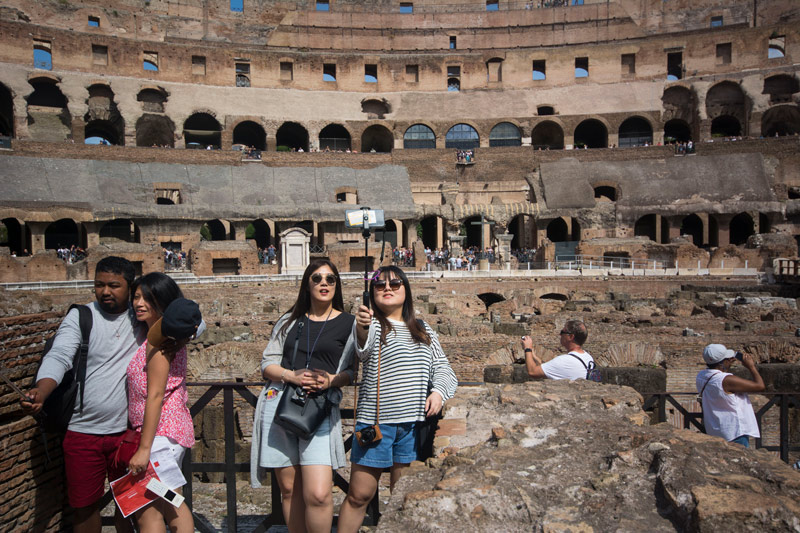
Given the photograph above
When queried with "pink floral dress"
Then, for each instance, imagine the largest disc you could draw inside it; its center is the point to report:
(176, 421)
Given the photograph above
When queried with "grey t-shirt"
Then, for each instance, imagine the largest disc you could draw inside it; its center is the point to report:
(112, 343)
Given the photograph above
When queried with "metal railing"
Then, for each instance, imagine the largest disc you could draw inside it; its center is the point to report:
(577, 262)
(659, 401)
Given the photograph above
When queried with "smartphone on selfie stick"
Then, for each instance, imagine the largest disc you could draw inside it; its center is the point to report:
(367, 219)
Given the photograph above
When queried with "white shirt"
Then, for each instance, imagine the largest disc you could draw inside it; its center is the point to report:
(726, 415)
(565, 366)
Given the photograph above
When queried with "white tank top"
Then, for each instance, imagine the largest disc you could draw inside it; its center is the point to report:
(725, 415)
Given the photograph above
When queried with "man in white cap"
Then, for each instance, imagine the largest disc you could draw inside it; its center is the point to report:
(727, 411)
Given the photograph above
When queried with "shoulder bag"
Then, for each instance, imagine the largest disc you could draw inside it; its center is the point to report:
(299, 412)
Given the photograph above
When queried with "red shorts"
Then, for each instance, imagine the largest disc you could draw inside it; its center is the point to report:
(87, 460)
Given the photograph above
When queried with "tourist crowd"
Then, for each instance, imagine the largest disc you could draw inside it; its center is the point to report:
(174, 259)
(71, 255)
(266, 256)
(465, 156)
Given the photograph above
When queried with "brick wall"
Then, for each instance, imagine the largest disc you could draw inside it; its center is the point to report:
(34, 492)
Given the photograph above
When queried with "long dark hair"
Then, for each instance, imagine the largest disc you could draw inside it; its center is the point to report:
(303, 302)
(414, 326)
(158, 289)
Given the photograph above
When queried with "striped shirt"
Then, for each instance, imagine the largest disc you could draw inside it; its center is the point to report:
(406, 369)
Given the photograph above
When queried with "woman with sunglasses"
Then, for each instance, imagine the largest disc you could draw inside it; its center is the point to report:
(406, 378)
(304, 467)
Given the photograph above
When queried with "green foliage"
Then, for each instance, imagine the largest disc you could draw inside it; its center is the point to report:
(419, 230)
(3, 234)
(205, 233)
(283, 148)
(250, 232)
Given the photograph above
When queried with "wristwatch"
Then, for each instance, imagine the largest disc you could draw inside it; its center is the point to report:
(528, 350)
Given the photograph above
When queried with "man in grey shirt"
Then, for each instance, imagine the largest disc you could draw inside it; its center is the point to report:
(94, 433)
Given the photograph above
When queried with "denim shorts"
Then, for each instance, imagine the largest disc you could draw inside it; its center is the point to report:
(281, 448)
(398, 445)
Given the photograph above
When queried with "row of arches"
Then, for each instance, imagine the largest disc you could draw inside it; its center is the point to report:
(727, 106)
(702, 229)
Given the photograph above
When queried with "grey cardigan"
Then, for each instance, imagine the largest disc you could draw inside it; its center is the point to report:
(272, 355)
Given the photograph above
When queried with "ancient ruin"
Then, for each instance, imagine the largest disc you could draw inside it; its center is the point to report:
(659, 141)
(622, 130)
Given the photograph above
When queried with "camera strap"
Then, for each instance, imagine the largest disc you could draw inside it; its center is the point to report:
(296, 343)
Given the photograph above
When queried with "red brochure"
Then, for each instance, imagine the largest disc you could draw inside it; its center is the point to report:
(130, 491)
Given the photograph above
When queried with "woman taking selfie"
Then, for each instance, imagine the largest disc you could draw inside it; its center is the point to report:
(157, 392)
(310, 351)
(406, 378)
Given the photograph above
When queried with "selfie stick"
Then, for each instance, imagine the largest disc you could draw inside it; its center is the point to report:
(365, 234)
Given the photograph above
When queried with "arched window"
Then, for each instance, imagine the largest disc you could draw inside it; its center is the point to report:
(334, 137)
(635, 131)
(419, 136)
(591, 133)
(291, 136)
(462, 137)
(250, 133)
(547, 135)
(203, 131)
(505, 134)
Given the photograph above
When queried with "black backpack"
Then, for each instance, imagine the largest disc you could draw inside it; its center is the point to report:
(60, 405)
(592, 373)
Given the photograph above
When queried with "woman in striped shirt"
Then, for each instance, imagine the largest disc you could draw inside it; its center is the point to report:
(406, 377)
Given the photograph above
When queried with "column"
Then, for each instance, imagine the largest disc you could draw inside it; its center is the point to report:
(37, 230)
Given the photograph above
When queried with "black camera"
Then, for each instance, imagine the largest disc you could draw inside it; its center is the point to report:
(299, 396)
(739, 356)
(369, 435)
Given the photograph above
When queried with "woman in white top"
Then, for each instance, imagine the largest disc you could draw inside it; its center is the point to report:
(406, 378)
(727, 411)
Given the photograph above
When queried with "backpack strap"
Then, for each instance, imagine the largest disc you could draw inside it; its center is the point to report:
(82, 353)
(589, 367)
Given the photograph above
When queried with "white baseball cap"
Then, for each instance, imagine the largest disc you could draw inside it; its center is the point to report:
(714, 353)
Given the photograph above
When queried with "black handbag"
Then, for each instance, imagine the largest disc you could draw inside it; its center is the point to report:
(299, 412)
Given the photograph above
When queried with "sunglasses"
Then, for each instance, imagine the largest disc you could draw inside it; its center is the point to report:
(394, 284)
(330, 279)
(562, 332)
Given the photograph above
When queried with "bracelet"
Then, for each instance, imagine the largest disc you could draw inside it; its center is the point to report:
(526, 350)
(285, 370)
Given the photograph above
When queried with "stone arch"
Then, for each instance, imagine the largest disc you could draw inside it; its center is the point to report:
(376, 107)
(262, 231)
(677, 130)
(201, 130)
(217, 230)
(432, 231)
(646, 226)
(505, 134)
(494, 69)
(780, 88)
(679, 102)
(473, 231)
(119, 229)
(548, 135)
(524, 229)
(727, 99)
(18, 238)
(335, 137)
(153, 99)
(49, 119)
(781, 120)
(490, 298)
(606, 191)
(6, 112)
(557, 230)
(155, 130)
(726, 126)
(635, 131)
(692, 225)
(103, 119)
(62, 233)
(741, 227)
(394, 233)
(250, 133)
(377, 137)
(419, 136)
(591, 133)
(462, 136)
(291, 136)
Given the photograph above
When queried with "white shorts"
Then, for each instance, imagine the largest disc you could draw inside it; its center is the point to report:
(167, 457)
